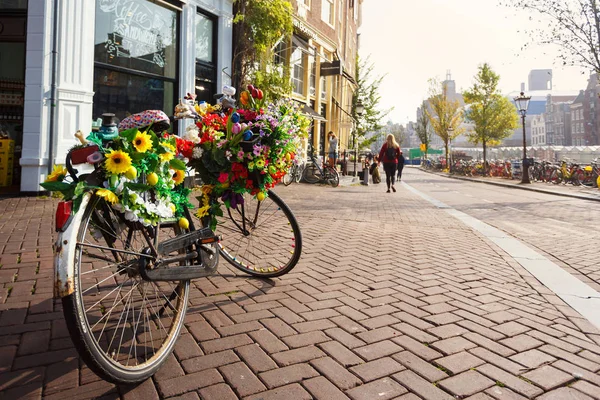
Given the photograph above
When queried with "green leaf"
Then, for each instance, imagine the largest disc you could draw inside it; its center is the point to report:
(177, 164)
(77, 203)
(155, 141)
(129, 134)
(137, 187)
(56, 186)
(137, 157)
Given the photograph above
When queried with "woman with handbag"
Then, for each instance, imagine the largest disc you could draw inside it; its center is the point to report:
(389, 155)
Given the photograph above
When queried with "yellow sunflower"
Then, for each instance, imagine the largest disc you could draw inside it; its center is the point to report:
(58, 174)
(117, 162)
(107, 195)
(207, 189)
(169, 154)
(142, 142)
(202, 211)
(178, 176)
(260, 163)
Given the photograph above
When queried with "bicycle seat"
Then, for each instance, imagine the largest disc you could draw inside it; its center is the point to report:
(157, 119)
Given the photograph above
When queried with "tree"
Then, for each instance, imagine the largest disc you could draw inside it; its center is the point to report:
(422, 127)
(573, 25)
(494, 116)
(259, 25)
(445, 115)
(367, 93)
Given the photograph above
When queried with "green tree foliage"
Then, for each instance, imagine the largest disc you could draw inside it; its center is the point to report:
(367, 93)
(445, 115)
(494, 116)
(573, 25)
(422, 127)
(258, 26)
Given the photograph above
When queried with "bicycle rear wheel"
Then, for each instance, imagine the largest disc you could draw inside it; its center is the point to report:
(261, 238)
(331, 176)
(289, 177)
(312, 174)
(123, 326)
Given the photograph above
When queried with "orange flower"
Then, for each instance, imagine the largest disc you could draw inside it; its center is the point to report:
(244, 98)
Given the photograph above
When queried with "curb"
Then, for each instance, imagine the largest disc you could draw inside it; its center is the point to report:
(529, 188)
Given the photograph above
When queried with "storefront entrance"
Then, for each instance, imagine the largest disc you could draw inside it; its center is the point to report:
(13, 28)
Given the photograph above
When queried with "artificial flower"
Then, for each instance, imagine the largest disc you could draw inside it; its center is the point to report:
(197, 152)
(223, 177)
(178, 177)
(95, 157)
(117, 162)
(142, 142)
(260, 163)
(107, 195)
(57, 175)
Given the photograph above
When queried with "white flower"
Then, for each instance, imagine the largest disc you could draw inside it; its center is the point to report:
(130, 216)
(197, 152)
(192, 134)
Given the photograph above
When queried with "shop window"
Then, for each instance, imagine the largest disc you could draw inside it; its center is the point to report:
(312, 84)
(297, 62)
(206, 45)
(136, 57)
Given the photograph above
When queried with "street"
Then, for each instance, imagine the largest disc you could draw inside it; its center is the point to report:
(407, 295)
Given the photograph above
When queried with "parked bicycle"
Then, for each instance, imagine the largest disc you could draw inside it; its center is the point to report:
(294, 174)
(314, 173)
(125, 283)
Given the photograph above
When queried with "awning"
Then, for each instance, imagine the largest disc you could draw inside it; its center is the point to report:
(310, 113)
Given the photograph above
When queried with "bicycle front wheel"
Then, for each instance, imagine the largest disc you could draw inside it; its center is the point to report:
(261, 238)
(312, 174)
(332, 177)
(124, 327)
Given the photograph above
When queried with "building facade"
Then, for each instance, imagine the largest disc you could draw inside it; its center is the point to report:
(591, 111)
(538, 130)
(540, 79)
(578, 121)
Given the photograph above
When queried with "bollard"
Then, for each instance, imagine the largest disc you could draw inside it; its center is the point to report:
(365, 177)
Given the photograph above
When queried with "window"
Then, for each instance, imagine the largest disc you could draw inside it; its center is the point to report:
(136, 58)
(297, 63)
(327, 11)
(206, 45)
(312, 84)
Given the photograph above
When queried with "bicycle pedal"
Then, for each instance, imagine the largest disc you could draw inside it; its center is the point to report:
(204, 235)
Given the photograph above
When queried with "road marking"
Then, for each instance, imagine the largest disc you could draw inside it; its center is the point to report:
(581, 297)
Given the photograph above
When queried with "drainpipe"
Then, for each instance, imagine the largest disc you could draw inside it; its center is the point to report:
(53, 83)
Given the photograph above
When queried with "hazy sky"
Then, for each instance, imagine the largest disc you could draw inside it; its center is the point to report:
(411, 41)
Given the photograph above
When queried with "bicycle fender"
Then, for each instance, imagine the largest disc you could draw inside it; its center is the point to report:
(64, 253)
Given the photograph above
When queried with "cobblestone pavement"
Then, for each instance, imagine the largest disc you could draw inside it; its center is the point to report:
(562, 228)
(392, 299)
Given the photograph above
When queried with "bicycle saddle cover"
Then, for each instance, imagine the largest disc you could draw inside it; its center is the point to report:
(157, 118)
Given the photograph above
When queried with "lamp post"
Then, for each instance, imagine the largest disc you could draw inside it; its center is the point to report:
(450, 130)
(522, 103)
(359, 109)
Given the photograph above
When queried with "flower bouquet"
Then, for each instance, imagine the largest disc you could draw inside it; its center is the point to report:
(239, 150)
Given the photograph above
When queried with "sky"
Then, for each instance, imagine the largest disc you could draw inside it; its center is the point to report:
(411, 41)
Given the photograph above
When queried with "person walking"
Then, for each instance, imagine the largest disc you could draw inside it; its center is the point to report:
(389, 155)
(333, 144)
(401, 161)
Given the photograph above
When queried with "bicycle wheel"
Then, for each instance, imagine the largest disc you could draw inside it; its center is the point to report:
(123, 326)
(331, 176)
(555, 177)
(289, 177)
(312, 174)
(299, 172)
(261, 238)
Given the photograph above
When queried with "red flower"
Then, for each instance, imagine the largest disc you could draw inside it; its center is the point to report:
(223, 177)
(184, 147)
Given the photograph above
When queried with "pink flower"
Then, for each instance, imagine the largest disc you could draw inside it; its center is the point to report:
(95, 157)
(223, 177)
(240, 154)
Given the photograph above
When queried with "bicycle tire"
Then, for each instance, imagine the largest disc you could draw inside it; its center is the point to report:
(331, 176)
(271, 251)
(555, 177)
(84, 313)
(312, 174)
(299, 172)
(288, 178)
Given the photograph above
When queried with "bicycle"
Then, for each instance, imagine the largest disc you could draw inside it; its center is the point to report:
(313, 173)
(125, 284)
(294, 174)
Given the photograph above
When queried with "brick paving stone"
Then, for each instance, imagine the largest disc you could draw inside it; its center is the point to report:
(294, 391)
(220, 391)
(377, 350)
(511, 328)
(377, 369)
(344, 338)
(32, 391)
(423, 351)
(548, 377)
(415, 333)
(565, 393)
(288, 315)
(278, 327)
(242, 380)
(572, 358)
(466, 384)
(498, 361)
(489, 344)
(209, 361)
(378, 334)
(34, 342)
(9, 380)
(286, 375)
(49, 357)
(417, 365)
(7, 355)
(252, 316)
(459, 362)
(186, 347)
(452, 345)
(382, 389)
(321, 388)
(61, 376)
(408, 396)
(144, 391)
(256, 358)
(90, 391)
(381, 310)
(521, 343)
(306, 339)
(315, 315)
(421, 387)
(202, 331)
(439, 308)
(447, 331)
(341, 354)
(269, 342)
(587, 388)
(486, 332)
(242, 327)
(590, 356)
(348, 325)
(187, 383)
(299, 355)
(501, 317)
(509, 380)
(503, 393)
(170, 369)
(309, 326)
(336, 373)
(229, 342)
(577, 372)
(443, 319)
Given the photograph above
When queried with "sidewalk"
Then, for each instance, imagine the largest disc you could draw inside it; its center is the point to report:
(578, 192)
(384, 304)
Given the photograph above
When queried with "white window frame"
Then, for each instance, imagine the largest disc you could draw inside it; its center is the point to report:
(331, 20)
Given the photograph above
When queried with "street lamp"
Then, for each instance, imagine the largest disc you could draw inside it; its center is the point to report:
(359, 109)
(522, 103)
(450, 130)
